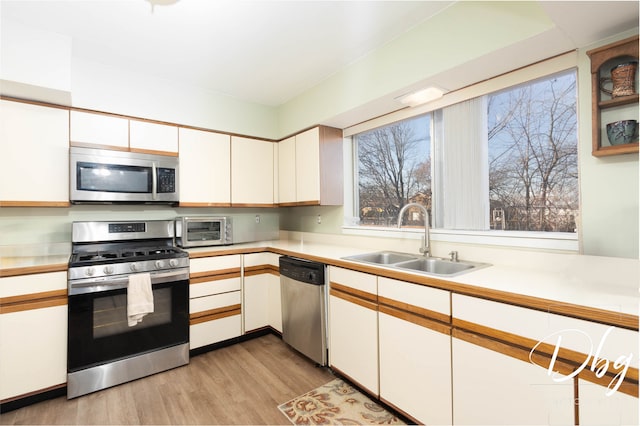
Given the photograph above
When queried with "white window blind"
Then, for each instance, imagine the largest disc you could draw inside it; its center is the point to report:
(461, 178)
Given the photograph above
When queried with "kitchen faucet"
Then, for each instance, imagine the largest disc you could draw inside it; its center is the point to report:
(425, 249)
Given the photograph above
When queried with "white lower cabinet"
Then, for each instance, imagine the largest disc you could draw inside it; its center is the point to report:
(353, 326)
(215, 300)
(597, 408)
(262, 306)
(415, 350)
(490, 388)
(33, 342)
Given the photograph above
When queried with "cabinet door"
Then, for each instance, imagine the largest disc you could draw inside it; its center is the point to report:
(33, 352)
(308, 165)
(205, 168)
(99, 129)
(223, 324)
(492, 388)
(597, 408)
(251, 171)
(25, 335)
(34, 165)
(415, 350)
(353, 327)
(262, 305)
(287, 170)
(148, 136)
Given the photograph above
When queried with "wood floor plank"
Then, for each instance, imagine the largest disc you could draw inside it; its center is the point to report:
(239, 384)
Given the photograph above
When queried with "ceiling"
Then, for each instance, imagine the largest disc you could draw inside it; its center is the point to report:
(266, 52)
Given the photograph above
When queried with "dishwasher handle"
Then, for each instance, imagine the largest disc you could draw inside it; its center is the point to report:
(302, 270)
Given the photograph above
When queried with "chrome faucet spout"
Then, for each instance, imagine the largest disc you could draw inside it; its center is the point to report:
(426, 243)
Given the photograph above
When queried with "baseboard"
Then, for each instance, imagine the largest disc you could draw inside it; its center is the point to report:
(32, 398)
(248, 336)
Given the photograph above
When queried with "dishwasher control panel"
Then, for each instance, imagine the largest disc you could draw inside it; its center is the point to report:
(302, 270)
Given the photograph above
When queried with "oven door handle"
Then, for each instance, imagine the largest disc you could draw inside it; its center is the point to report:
(93, 285)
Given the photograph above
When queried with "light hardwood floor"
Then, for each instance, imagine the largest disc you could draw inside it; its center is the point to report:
(239, 384)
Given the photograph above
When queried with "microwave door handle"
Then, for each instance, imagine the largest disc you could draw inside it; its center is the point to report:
(154, 181)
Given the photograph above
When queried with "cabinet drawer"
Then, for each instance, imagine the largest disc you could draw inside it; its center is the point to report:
(358, 280)
(417, 295)
(35, 283)
(218, 330)
(256, 259)
(213, 287)
(575, 334)
(216, 263)
(215, 301)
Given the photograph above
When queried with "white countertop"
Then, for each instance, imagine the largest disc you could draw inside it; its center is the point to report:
(610, 284)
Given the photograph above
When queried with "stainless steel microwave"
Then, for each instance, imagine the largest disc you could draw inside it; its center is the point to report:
(200, 231)
(110, 176)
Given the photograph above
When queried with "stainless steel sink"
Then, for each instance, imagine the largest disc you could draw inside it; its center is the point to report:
(416, 263)
(435, 266)
(381, 257)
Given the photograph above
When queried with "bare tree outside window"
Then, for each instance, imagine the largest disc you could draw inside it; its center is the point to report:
(533, 149)
(394, 169)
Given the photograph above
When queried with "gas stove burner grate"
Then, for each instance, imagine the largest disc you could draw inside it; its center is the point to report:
(91, 257)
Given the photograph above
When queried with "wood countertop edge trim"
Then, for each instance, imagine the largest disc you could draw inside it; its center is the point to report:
(30, 270)
(627, 321)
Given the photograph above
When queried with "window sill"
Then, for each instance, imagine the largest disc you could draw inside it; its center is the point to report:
(531, 240)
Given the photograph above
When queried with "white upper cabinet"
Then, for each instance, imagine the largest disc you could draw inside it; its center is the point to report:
(37, 137)
(99, 129)
(308, 165)
(310, 168)
(287, 170)
(252, 171)
(149, 136)
(205, 168)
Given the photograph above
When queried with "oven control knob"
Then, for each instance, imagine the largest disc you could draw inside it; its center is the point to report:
(159, 264)
(173, 262)
(108, 269)
(133, 266)
(90, 271)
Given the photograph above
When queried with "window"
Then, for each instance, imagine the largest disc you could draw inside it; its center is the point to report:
(502, 161)
(393, 169)
(533, 156)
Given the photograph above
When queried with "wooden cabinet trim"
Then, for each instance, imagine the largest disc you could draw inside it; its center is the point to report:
(27, 302)
(222, 274)
(354, 292)
(353, 297)
(261, 269)
(183, 204)
(33, 270)
(10, 203)
(422, 321)
(519, 347)
(214, 314)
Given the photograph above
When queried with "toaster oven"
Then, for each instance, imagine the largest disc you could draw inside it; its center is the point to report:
(201, 231)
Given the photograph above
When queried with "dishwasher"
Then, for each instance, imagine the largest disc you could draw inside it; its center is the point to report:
(304, 316)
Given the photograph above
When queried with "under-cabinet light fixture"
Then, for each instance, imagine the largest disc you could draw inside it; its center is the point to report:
(421, 96)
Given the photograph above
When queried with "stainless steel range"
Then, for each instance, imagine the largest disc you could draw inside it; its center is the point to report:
(128, 303)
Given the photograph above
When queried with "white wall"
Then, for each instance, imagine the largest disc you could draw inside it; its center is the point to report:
(609, 186)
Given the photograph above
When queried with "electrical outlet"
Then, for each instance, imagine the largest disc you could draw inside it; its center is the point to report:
(257, 218)
(319, 220)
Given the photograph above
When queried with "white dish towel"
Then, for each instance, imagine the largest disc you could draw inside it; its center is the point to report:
(139, 298)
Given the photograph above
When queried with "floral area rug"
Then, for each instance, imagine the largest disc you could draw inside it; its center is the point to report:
(336, 403)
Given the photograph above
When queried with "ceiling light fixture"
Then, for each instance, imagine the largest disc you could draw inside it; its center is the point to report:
(421, 96)
(155, 3)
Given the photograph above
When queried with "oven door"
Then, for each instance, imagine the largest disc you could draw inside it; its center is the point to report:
(99, 331)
